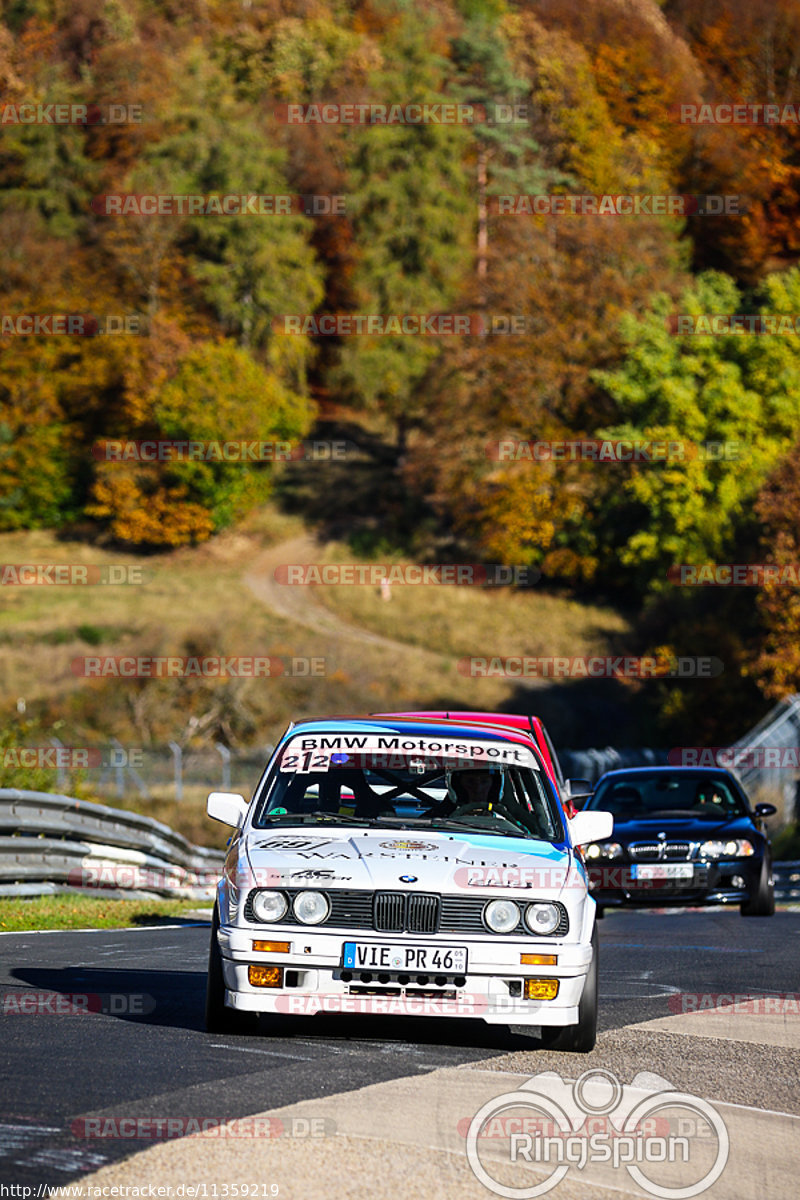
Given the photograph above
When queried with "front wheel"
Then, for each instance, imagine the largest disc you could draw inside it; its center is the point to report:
(219, 1018)
(761, 901)
(581, 1037)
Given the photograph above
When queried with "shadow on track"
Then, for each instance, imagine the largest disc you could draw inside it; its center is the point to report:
(175, 1000)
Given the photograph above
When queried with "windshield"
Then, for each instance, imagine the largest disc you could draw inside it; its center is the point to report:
(409, 789)
(696, 795)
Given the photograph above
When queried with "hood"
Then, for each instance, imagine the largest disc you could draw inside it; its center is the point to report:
(693, 828)
(399, 860)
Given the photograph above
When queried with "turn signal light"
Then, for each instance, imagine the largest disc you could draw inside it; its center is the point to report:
(538, 960)
(259, 976)
(540, 989)
(272, 947)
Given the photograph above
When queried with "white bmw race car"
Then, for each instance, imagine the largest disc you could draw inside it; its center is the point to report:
(411, 868)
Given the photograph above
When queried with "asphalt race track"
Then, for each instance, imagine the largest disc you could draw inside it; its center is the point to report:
(353, 1090)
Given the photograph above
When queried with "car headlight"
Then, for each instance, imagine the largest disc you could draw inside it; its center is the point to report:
(269, 906)
(603, 850)
(542, 918)
(501, 915)
(311, 908)
(733, 848)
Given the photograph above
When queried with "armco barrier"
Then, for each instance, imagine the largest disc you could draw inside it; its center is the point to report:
(57, 842)
(787, 882)
(591, 764)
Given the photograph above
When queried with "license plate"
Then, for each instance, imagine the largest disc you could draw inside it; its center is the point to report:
(662, 871)
(382, 956)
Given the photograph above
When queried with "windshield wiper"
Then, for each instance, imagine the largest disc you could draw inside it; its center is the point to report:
(456, 824)
(319, 815)
(338, 818)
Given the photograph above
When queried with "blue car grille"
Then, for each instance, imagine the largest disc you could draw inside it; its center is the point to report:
(659, 851)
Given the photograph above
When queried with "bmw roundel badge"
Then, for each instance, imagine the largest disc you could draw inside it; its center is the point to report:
(408, 879)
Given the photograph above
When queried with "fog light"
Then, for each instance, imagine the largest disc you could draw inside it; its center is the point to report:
(538, 960)
(271, 977)
(271, 947)
(738, 882)
(541, 989)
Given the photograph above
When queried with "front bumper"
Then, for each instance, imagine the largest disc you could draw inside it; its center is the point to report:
(314, 980)
(711, 883)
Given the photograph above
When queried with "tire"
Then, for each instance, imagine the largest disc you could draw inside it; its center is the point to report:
(219, 1018)
(761, 902)
(581, 1037)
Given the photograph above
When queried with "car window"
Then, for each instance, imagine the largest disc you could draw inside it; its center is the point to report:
(409, 788)
(699, 795)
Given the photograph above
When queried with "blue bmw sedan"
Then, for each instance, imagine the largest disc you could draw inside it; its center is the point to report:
(682, 836)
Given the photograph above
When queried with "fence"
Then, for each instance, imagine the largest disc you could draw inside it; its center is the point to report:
(169, 772)
(51, 843)
(767, 759)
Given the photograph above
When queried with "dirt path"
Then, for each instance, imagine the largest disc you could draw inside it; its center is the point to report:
(299, 603)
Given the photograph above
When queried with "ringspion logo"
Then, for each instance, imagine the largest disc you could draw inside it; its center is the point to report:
(557, 1127)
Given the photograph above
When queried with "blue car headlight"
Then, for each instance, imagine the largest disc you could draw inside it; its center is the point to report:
(603, 850)
(730, 848)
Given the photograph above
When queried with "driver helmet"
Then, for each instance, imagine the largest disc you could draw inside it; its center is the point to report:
(462, 785)
(709, 792)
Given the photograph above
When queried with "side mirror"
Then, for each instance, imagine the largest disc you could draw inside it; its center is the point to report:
(577, 791)
(765, 810)
(228, 807)
(593, 826)
(578, 787)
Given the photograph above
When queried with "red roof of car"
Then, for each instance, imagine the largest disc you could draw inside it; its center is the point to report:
(531, 726)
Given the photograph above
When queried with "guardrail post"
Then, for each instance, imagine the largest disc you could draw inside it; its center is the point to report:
(225, 755)
(61, 774)
(177, 759)
(118, 760)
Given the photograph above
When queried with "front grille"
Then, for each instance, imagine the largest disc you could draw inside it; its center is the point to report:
(406, 912)
(659, 851)
(423, 913)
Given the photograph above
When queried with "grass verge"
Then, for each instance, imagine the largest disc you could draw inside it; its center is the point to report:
(19, 915)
